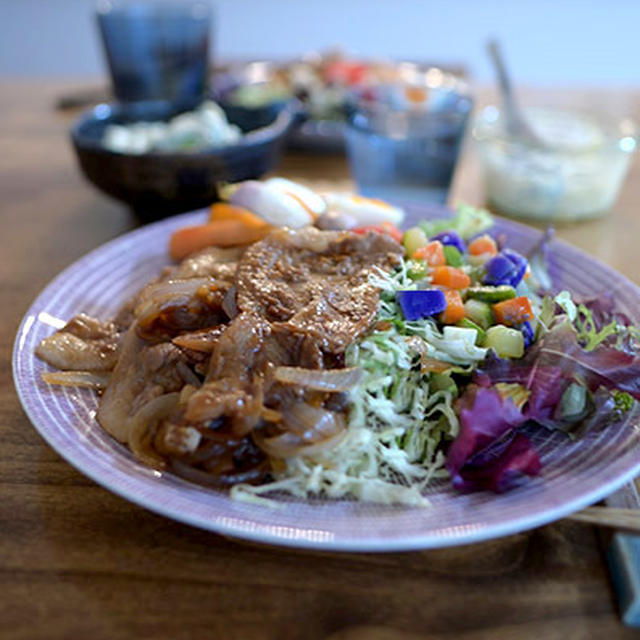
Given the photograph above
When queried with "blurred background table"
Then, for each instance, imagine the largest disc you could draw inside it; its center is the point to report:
(77, 561)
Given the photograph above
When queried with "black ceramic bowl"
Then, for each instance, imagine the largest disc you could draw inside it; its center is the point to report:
(158, 184)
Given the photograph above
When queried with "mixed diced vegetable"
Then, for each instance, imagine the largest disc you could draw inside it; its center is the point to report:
(470, 285)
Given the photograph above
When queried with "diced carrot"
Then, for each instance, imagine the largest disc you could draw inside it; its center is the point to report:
(450, 277)
(481, 245)
(513, 312)
(432, 253)
(455, 307)
(226, 211)
(219, 233)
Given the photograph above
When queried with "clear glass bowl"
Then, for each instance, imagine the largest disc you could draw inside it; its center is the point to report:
(576, 173)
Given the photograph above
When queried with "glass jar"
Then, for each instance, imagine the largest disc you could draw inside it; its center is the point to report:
(574, 173)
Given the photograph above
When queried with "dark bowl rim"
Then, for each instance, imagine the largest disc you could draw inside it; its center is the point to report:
(279, 128)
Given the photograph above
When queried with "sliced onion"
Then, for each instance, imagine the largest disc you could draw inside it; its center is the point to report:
(288, 445)
(187, 375)
(171, 288)
(335, 221)
(143, 426)
(313, 239)
(311, 424)
(126, 384)
(157, 296)
(270, 415)
(186, 392)
(88, 379)
(307, 430)
(229, 304)
(319, 379)
(202, 341)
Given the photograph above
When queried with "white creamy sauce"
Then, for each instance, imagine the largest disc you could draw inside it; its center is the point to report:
(576, 172)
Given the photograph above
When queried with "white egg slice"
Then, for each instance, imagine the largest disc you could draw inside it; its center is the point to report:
(276, 207)
(366, 211)
(313, 202)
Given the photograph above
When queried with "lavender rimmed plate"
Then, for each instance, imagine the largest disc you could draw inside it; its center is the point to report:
(575, 474)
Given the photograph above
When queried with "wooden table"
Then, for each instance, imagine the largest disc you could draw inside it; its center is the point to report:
(79, 562)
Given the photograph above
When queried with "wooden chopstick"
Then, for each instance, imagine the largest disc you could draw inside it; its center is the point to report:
(613, 517)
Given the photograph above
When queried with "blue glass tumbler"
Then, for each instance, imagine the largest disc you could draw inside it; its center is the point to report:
(156, 50)
(403, 140)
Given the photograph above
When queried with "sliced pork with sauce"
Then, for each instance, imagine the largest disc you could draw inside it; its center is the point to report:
(83, 344)
(217, 366)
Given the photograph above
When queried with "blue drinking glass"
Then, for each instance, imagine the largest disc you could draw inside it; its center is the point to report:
(403, 139)
(156, 50)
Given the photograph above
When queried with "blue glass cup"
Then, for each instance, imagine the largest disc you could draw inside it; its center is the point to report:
(403, 139)
(156, 50)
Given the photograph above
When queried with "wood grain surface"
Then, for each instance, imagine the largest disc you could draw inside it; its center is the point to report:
(79, 562)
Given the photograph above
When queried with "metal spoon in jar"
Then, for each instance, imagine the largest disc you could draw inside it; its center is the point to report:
(515, 122)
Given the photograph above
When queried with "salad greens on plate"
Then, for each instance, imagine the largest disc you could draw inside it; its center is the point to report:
(470, 354)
